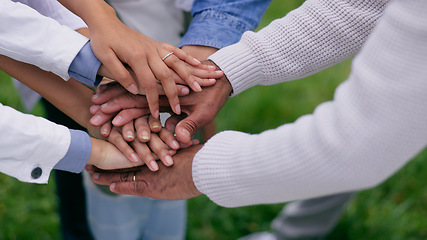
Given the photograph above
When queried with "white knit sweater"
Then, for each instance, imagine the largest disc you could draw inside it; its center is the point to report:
(376, 123)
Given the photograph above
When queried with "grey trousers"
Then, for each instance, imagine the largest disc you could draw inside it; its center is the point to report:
(310, 219)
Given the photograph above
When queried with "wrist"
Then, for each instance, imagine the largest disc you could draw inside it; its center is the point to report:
(97, 13)
(199, 52)
(222, 80)
(95, 152)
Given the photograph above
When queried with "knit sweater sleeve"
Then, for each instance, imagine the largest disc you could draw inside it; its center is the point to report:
(374, 125)
(313, 37)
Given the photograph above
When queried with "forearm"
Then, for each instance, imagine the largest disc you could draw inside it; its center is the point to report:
(375, 124)
(46, 43)
(92, 12)
(31, 145)
(53, 9)
(70, 97)
(220, 24)
(313, 37)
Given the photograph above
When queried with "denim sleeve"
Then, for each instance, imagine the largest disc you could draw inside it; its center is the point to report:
(85, 66)
(78, 153)
(222, 23)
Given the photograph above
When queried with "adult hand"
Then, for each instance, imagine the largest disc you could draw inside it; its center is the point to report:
(200, 107)
(105, 155)
(168, 183)
(114, 44)
(109, 92)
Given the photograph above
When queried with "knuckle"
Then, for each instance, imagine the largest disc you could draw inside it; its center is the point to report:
(124, 177)
(191, 126)
(137, 55)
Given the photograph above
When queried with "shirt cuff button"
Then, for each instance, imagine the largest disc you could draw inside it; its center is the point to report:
(36, 173)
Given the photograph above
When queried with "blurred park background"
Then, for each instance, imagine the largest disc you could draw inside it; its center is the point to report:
(394, 210)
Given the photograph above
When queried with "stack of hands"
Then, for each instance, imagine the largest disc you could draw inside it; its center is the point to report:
(131, 123)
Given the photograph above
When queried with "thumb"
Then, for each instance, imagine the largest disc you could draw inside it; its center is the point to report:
(193, 122)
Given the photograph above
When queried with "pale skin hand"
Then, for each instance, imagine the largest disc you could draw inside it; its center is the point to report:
(114, 44)
(105, 156)
(168, 183)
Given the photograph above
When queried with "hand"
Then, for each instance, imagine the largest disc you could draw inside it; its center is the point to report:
(201, 108)
(152, 142)
(108, 92)
(114, 44)
(105, 156)
(168, 183)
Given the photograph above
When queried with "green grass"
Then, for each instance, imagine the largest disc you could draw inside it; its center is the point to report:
(394, 210)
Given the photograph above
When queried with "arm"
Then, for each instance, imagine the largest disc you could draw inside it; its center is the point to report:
(47, 145)
(70, 97)
(33, 145)
(114, 43)
(219, 25)
(375, 125)
(313, 37)
(46, 43)
(53, 9)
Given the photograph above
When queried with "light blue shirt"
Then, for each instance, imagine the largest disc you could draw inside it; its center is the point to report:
(78, 153)
(84, 68)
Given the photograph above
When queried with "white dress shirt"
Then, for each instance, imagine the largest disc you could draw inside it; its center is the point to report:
(30, 146)
(46, 43)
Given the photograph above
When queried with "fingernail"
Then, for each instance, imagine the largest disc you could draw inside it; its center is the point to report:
(117, 120)
(219, 72)
(133, 157)
(145, 135)
(95, 176)
(212, 80)
(154, 166)
(175, 144)
(186, 132)
(156, 114)
(96, 120)
(172, 152)
(178, 109)
(112, 186)
(94, 108)
(185, 91)
(196, 60)
(169, 160)
(156, 127)
(104, 132)
(211, 67)
(95, 96)
(197, 86)
(104, 106)
(129, 135)
(133, 89)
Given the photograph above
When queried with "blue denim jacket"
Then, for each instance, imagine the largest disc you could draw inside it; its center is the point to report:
(219, 23)
(215, 23)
